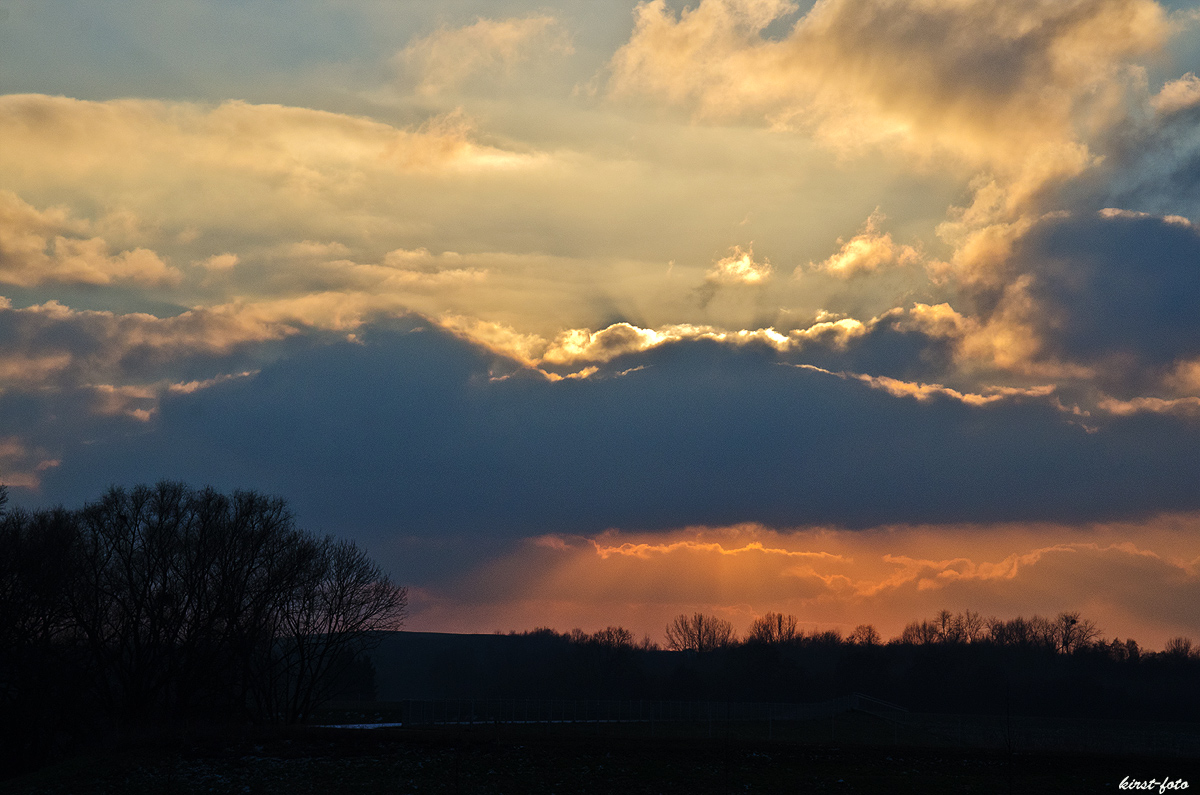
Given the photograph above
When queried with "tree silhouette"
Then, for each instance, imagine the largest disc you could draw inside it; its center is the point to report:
(773, 628)
(1073, 633)
(171, 602)
(698, 632)
(612, 638)
(865, 635)
(336, 598)
(1179, 648)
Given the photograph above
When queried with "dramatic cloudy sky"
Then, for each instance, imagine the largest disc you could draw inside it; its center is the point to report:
(595, 311)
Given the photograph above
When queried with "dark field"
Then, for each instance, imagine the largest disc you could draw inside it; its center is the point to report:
(578, 759)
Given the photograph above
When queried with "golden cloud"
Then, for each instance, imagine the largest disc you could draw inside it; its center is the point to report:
(739, 268)
(921, 392)
(1185, 406)
(1013, 92)
(449, 57)
(580, 345)
(866, 252)
(997, 85)
(1005, 342)
(307, 152)
(37, 247)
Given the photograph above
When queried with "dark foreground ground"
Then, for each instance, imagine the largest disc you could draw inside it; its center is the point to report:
(574, 759)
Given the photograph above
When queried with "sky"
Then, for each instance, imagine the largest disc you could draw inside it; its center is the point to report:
(595, 312)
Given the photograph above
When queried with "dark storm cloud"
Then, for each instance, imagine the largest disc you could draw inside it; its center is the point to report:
(407, 434)
(889, 347)
(1117, 289)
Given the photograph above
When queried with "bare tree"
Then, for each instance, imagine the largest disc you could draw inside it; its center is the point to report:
(865, 635)
(613, 638)
(773, 628)
(1072, 633)
(1043, 632)
(1180, 648)
(971, 626)
(1067, 633)
(191, 600)
(698, 632)
(948, 629)
(337, 599)
(921, 633)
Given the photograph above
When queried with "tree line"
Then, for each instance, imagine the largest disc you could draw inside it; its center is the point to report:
(161, 604)
(1068, 632)
(949, 663)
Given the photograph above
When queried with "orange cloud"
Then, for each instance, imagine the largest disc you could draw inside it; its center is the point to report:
(1134, 579)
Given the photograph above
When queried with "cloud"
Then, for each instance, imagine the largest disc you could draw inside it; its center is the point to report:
(866, 252)
(1186, 406)
(919, 391)
(1040, 102)
(577, 346)
(37, 247)
(582, 345)
(74, 378)
(310, 144)
(350, 294)
(1108, 291)
(220, 262)
(739, 268)
(1151, 160)
(919, 343)
(307, 152)
(700, 432)
(53, 347)
(446, 59)
(996, 85)
(1177, 95)
(1133, 580)
(191, 386)
(20, 466)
